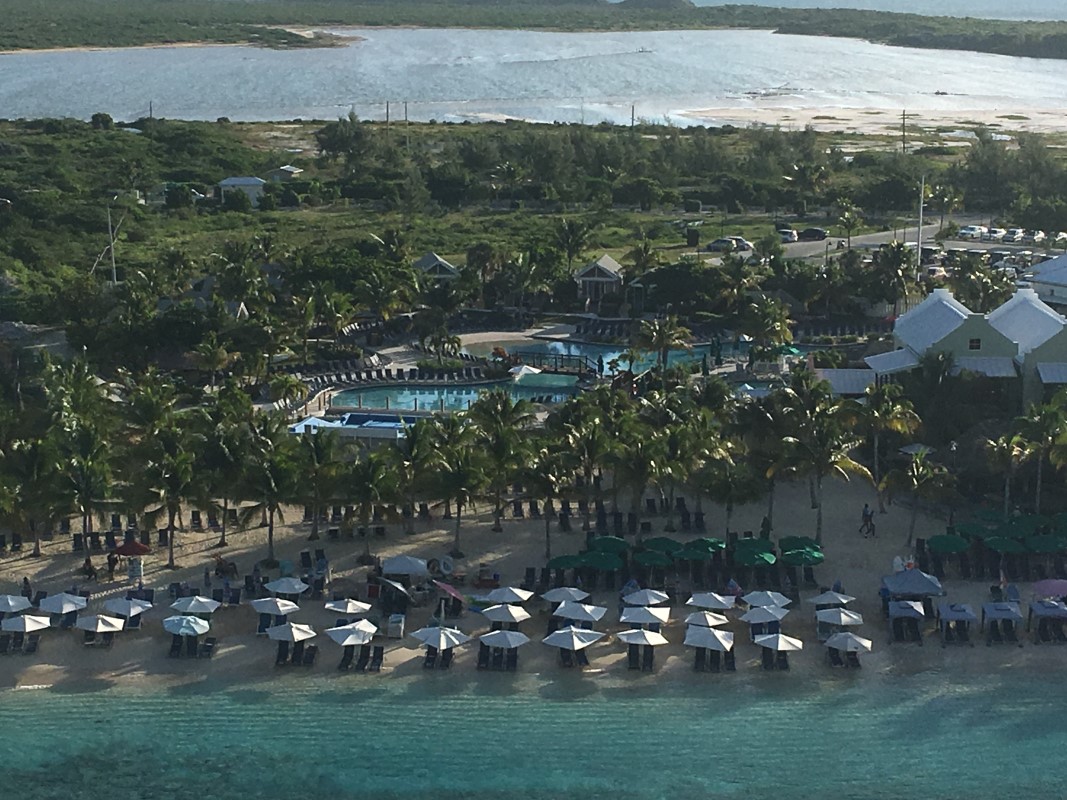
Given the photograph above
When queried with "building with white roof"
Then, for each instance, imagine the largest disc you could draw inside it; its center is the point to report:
(249, 185)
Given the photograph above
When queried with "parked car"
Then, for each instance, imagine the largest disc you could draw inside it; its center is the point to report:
(740, 243)
(1033, 237)
(1014, 235)
(788, 235)
(972, 232)
(1059, 238)
(721, 246)
(993, 235)
(811, 235)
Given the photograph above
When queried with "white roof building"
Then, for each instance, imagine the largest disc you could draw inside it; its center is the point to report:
(931, 321)
(1026, 320)
(436, 267)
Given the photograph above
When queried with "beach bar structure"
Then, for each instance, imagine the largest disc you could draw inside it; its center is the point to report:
(911, 584)
(1050, 616)
(904, 620)
(954, 620)
(1003, 617)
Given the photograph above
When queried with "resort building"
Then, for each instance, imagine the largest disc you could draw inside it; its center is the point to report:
(282, 174)
(601, 277)
(251, 186)
(436, 268)
(1022, 339)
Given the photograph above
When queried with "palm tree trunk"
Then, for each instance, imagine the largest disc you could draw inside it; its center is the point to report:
(548, 537)
(316, 511)
(670, 510)
(914, 517)
(811, 492)
(36, 540)
(818, 512)
(498, 511)
(270, 535)
(409, 523)
(588, 499)
(170, 539)
(1007, 495)
(876, 473)
(1037, 491)
(771, 484)
(456, 552)
(729, 516)
(225, 514)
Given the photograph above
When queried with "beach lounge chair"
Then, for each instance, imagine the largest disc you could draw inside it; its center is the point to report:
(107, 639)
(445, 661)
(234, 598)
(649, 661)
(89, 638)
(1058, 632)
(898, 629)
(218, 595)
(700, 662)
(835, 657)
(484, 653)
(133, 623)
(729, 661)
(305, 559)
(993, 635)
(346, 658)
(32, 643)
(283, 654)
(530, 579)
(714, 661)
(5, 644)
(297, 654)
(175, 646)
(18, 639)
(77, 543)
(207, 649)
(768, 658)
(566, 657)
(782, 660)
(265, 621)
(192, 646)
(376, 659)
(362, 661)
(948, 633)
(430, 661)
(853, 660)
(511, 659)
(311, 652)
(497, 659)
(580, 657)
(911, 628)
(633, 656)
(963, 634)
(1010, 633)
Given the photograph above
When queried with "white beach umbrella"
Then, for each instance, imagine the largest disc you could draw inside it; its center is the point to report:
(360, 632)
(764, 614)
(523, 369)
(766, 599)
(706, 619)
(405, 565)
(580, 612)
(13, 603)
(564, 593)
(573, 638)
(780, 642)
(509, 640)
(642, 637)
(506, 613)
(121, 607)
(27, 623)
(287, 586)
(644, 615)
(441, 638)
(98, 623)
(830, 599)
(275, 606)
(711, 638)
(348, 606)
(849, 642)
(195, 605)
(63, 603)
(646, 597)
(291, 632)
(186, 626)
(711, 600)
(508, 594)
(839, 616)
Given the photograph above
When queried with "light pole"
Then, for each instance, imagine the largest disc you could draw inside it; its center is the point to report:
(111, 241)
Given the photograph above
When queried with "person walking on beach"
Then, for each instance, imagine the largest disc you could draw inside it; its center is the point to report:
(866, 520)
(112, 562)
(27, 590)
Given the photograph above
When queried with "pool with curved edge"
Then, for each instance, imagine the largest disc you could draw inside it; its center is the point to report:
(544, 388)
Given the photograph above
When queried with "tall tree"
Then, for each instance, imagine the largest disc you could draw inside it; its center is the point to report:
(885, 409)
(1042, 427)
(925, 480)
(500, 423)
(270, 475)
(1006, 454)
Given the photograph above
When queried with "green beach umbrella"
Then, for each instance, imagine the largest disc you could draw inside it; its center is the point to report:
(610, 544)
(708, 543)
(1002, 544)
(653, 558)
(754, 558)
(605, 562)
(565, 562)
(662, 543)
(804, 557)
(947, 543)
(1059, 522)
(1047, 543)
(989, 516)
(754, 546)
(973, 529)
(690, 554)
(787, 543)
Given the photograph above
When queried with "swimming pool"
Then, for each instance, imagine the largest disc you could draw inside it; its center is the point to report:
(545, 387)
(607, 352)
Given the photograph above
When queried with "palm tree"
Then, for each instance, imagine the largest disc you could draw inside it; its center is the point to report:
(571, 237)
(591, 445)
(849, 221)
(1006, 454)
(884, 409)
(270, 474)
(212, 356)
(1042, 427)
(463, 479)
(925, 480)
(227, 450)
(412, 461)
(168, 474)
(287, 388)
(319, 461)
(660, 336)
(644, 257)
(86, 457)
(500, 422)
(367, 483)
(731, 482)
(547, 474)
(31, 484)
(766, 320)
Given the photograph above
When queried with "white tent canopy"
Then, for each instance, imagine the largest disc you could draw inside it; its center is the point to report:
(839, 616)
(830, 599)
(405, 565)
(360, 632)
(13, 603)
(186, 626)
(287, 586)
(523, 369)
(63, 603)
(122, 607)
(195, 605)
(763, 614)
(762, 598)
(849, 642)
(508, 594)
(348, 606)
(580, 612)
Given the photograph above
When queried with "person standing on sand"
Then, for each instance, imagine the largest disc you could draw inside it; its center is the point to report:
(866, 520)
(27, 590)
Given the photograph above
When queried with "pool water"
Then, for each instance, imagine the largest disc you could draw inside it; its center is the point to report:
(607, 352)
(456, 397)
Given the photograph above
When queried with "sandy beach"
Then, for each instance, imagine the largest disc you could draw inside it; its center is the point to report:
(139, 658)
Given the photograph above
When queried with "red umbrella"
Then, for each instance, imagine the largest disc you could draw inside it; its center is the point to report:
(133, 548)
(450, 590)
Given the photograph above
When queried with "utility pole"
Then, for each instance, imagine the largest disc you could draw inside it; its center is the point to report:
(919, 233)
(633, 116)
(387, 138)
(150, 109)
(407, 133)
(111, 243)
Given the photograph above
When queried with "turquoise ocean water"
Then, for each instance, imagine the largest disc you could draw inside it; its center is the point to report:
(469, 735)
